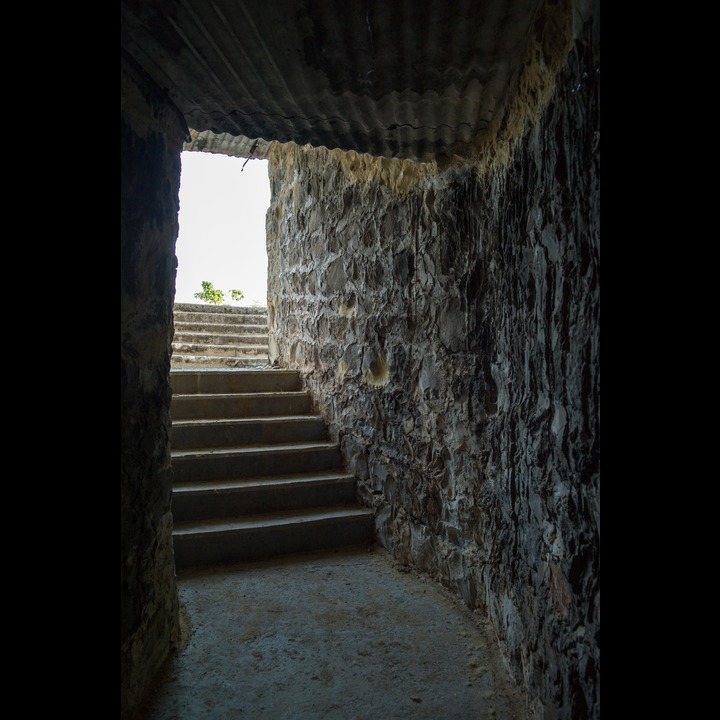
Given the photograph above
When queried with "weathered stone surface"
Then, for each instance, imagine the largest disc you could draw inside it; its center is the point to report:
(151, 138)
(449, 331)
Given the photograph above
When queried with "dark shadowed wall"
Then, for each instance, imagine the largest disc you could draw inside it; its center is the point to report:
(151, 142)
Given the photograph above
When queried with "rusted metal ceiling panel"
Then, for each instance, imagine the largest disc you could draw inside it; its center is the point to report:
(396, 79)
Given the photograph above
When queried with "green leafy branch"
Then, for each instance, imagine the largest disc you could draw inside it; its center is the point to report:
(214, 296)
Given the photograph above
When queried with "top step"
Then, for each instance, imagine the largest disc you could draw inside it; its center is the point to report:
(222, 309)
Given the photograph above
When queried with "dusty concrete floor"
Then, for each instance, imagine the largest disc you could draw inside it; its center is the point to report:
(338, 635)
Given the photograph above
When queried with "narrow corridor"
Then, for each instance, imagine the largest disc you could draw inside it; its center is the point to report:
(344, 634)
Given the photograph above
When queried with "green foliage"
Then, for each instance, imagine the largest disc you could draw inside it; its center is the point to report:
(210, 294)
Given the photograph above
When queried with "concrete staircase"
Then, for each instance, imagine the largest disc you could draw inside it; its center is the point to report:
(219, 336)
(254, 471)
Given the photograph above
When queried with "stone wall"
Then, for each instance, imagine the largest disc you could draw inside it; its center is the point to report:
(447, 324)
(151, 142)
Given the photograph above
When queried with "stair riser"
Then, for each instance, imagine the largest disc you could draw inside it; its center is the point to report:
(198, 307)
(247, 465)
(248, 501)
(220, 318)
(240, 382)
(207, 361)
(233, 328)
(247, 433)
(232, 403)
(255, 544)
(187, 407)
(220, 339)
(219, 350)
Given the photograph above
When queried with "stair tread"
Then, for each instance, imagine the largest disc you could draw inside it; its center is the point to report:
(217, 346)
(238, 313)
(242, 371)
(264, 419)
(250, 394)
(225, 330)
(220, 360)
(240, 309)
(269, 520)
(215, 317)
(258, 447)
(263, 481)
(246, 328)
(215, 340)
(251, 356)
(269, 482)
(220, 339)
(216, 320)
(218, 329)
(186, 318)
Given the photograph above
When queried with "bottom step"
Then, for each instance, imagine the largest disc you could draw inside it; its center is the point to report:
(261, 536)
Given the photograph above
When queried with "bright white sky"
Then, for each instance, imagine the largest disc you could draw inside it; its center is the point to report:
(222, 227)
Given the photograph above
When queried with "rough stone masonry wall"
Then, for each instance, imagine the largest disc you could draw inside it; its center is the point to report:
(151, 142)
(448, 327)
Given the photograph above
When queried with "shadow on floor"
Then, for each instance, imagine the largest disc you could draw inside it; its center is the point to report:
(338, 635)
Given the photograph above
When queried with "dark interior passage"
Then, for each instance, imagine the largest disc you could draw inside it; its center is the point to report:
(433, 276)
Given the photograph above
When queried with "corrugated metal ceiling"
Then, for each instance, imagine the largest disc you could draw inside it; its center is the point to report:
(402, 79)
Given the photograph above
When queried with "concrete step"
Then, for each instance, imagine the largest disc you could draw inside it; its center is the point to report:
(221, 309)
(208, 500)
(219, 350)
(209, 361)
(201, 465)
(224, 328)
(215, 318)
(239, 381)
(208, 406)
(247, 431)
(246, 443)
(207, 338)
(228, 540)
(219, 336)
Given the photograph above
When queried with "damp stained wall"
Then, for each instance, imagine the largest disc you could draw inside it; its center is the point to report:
(447, 324)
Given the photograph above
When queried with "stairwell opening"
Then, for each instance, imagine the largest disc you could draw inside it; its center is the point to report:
(256, 472)
(222, 236)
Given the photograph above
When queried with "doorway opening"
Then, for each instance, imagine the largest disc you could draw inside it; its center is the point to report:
(222, 236)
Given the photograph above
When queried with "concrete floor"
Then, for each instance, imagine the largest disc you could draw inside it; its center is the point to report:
(339, 635)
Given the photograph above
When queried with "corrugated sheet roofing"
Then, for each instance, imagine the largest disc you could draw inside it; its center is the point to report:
(402, 79)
